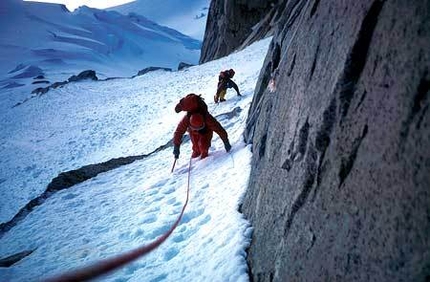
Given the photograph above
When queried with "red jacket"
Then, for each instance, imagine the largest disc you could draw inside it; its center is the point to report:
(192, 103)
(211, 125)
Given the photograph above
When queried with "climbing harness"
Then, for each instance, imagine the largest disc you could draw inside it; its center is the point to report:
(107, 265)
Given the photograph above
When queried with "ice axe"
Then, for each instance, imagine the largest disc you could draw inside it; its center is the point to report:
(173, 167)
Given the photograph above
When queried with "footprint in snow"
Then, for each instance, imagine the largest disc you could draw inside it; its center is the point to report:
(205, 220)
(188, 216)
(159, 183)
(187, 230)
(159, 278)
(208, 242)
(153, 209)
(132, 268)
(158, 231)
(124, 235)
(69, 196)
(170, 254)
(138, 233)
(152, 191)
(181, 170)
(178, 238)
(171, 201)
(150, 219)
(169, 191)
(158, 198)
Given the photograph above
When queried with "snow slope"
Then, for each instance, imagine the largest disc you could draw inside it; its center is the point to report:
(91, 122)
(46, 40)
(187, 16)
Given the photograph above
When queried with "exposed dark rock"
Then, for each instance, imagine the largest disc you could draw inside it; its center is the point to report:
(69, 178)
(348, 162)
(87, 74)
(40, 82)
(341, 145)
(314, 7)
(234, 24)
(183, 65)
(58, 84)
(148, 69)
(11, 260)
(357, 57)
(40, 90)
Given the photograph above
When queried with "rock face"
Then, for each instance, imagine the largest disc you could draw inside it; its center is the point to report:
(149, 69)
(340, 182)
(11, 260)
(87, 74)
(183, 65)
(230, 23)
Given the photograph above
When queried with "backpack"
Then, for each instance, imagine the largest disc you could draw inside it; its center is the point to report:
(226, 74)
(192, 103)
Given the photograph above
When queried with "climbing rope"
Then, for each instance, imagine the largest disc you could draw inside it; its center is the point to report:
(110, 264)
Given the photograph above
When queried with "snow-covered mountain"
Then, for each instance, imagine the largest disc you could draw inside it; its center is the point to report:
(92, 122)
(49, 42)
(187, 16)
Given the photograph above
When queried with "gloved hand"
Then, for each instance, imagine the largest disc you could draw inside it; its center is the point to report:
(176, 151)
(227, 146)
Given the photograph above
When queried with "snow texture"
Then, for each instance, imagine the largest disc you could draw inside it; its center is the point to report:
(91, 122)
(47, 41)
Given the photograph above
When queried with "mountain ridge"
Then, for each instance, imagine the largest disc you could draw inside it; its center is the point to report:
(59, 43)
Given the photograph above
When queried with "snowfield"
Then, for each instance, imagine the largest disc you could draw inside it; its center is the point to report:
(91, 122)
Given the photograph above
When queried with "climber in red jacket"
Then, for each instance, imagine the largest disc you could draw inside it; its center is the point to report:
(201, 128)
(192, 103)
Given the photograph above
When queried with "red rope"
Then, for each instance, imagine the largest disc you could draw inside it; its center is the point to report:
(110, 264)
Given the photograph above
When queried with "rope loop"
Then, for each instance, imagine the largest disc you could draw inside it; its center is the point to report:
(110, 264)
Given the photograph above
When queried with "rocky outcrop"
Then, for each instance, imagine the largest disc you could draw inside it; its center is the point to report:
(70, 178)
(11, 260)
(40, 82)
(183, 65)
(339, 186)
(233, 22)
(86, 74)
(149, 69)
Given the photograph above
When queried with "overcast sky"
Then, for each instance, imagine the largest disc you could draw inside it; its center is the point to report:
(100, 4)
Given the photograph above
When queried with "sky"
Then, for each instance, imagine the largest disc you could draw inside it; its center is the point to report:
(92, 122)
(99, 4)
